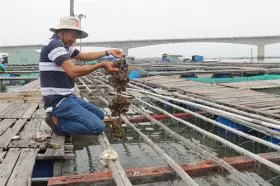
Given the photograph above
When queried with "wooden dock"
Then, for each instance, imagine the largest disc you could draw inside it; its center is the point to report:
(234, 94)
(25, 138)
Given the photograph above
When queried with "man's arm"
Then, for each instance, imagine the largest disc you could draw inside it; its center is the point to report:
(73, 70)
(88, 56)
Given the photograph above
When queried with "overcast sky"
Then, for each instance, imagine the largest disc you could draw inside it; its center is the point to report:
(28, 22)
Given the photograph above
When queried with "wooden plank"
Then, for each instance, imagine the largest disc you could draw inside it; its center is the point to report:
(31, 109)
(241, 93)
(273, 111)
(6, 137)
(256, 101)
(44, 128)
(2, 154)
(20, 110)
(5, 124)
(253, 84)
(53, 152)
(270, 108)
(39, 114)
(7, 110)
(7, 166)
(68, 168)
(57, 168)
(46, 131)
(248, 98)
(15, 110)
(28, 135)
(3, 106)
(261, 104)
(22, 172)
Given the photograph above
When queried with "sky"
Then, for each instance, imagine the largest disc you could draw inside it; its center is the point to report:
(28, 22)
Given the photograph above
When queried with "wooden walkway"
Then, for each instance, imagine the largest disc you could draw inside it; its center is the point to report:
(260, 84)
(238, 96)
(25, 137)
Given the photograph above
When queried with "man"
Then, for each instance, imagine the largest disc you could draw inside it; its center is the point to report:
(66, 113)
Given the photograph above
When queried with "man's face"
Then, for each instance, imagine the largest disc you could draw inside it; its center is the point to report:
(69, 37)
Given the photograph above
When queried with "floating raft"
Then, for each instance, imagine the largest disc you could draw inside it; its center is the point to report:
(21, 114)
(241, 97)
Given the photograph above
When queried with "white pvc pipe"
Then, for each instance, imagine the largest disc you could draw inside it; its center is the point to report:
(209, 109)
(261, 160)
(262, 129)
(212, 104)
(240, 133)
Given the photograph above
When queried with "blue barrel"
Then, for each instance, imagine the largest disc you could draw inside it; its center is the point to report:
(231, 124)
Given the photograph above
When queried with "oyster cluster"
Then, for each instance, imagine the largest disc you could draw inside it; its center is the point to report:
(119, 80)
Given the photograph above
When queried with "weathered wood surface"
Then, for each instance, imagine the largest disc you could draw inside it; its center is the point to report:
(23, 169)
(18, 110)
(7, 136)
(21, 96)
(32, 86)
(31, 135)
(2, 154)
(5, 124)
(17, 166)
(25, 137)
(260, 84)
(58, 147)
(39, 113)
(7, 165)
(238, 94)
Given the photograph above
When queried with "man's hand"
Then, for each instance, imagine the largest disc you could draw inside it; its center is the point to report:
(109, 67)
(116, 53)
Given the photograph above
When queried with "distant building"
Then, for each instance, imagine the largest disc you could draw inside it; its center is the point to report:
(170, 58)
(24, 57)
(197, 58)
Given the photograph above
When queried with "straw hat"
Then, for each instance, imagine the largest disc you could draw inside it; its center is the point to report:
(71, 23)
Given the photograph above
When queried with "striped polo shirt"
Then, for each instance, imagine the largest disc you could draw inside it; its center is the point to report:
(55, 84)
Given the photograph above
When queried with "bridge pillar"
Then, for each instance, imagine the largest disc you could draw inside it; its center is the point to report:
(261, 51)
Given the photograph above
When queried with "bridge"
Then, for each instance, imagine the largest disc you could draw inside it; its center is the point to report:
(259, 41)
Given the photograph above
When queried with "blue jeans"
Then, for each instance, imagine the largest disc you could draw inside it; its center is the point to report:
(76, 116)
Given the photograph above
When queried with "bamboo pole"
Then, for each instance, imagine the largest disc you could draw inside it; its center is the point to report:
(118, 172)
